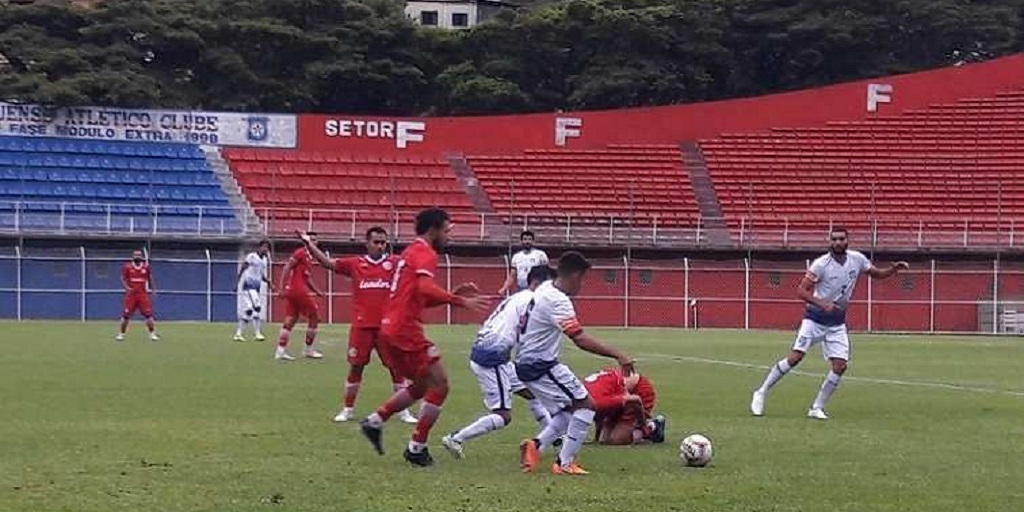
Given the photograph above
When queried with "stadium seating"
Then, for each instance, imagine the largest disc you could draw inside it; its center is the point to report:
(291, 188)
(52, 184)
(932, 169)
(639, 181)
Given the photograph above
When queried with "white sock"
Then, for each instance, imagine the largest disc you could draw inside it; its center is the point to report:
(241, 326)
(540, 413)
(778, 371)
(374, 420)
(555, 428)
(480, 427)
(256, 324)
(416, 447)
(582, 419)
(827, 388)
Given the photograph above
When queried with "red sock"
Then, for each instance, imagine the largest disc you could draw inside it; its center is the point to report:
(398, 402)
(124, 325)
(429, 412)
(310, 336)
(282, 339)
(352, 388)
(150, 324)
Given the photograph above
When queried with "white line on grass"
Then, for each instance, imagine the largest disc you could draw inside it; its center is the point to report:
(896, 382)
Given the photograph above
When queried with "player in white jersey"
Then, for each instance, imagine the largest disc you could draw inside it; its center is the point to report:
(521, 263)
(550, 315)
(826, 289)
(251, 276)
(491, 362)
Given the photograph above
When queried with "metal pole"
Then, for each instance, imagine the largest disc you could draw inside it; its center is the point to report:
(746, 293)
(995, 294)
(686, 293)
(448, 280)
(17, 253)
(81, 251)
(330, 296)
(209, 287)
(870, 301)
(625, 298)
(931, 303)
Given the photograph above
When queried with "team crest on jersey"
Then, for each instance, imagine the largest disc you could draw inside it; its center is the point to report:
(258, 129)
(433, 351)
(387, 265)
(352, 352)
(852, 274)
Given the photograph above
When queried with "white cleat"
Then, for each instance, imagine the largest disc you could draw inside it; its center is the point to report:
(238, 337)
(312, 353)
(154, 336)
(454, 447)
(757, 403)
(344, 415)
(817, 414)
(119, 337)
(282, 355)
(407, 417)
(260, 337)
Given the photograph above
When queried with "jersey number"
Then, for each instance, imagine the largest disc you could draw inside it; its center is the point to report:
(594, 376)
(394, 279)
(525, 319)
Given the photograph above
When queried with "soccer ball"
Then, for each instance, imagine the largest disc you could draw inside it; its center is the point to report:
(695, 451)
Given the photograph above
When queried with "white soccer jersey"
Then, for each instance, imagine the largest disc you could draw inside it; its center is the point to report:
(252, 278)
(834, 282)
(500, 332)
(552, 315)
(523, 261)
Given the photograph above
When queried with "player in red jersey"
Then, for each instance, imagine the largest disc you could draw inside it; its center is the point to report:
(410, 353)
(623, 406)
(371, 287)
(137, 280)
(297, 282)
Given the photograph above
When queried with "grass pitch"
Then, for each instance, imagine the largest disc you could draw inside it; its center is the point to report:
(199, 423)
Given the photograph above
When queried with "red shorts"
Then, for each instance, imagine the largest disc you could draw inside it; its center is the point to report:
(135, 301)
(410, 363)
(361, 342)
(299, 304)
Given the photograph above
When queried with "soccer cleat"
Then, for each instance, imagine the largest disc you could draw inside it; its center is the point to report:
(529, 455)
(573, 469)
(422, 459)
(454, 447)
(312, 353)
(407, 417)
(119, 337)
(282, 355)
(238, 337)
(373, 435)
(817, 414)
(757, 403)
(658, 432)
(154, 336)
(344, 415)
(260, 336)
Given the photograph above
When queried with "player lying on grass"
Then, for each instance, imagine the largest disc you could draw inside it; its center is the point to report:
(491, 361)
(623, 406)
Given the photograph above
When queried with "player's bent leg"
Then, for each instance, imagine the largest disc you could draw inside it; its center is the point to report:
(828, 386)
(311, 330)
(775, 374)
(151, 326)
(618, 435)
(284, 337)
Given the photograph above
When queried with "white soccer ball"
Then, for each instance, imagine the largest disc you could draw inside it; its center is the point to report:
(695, 451)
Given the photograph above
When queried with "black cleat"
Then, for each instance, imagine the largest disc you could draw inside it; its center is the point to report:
(373, 435)
(658, 433)
(422, 459)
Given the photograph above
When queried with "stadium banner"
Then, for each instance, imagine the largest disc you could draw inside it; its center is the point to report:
(131, 125)
(665, 125)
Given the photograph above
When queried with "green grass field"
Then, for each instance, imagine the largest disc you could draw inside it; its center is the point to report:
(199, 423)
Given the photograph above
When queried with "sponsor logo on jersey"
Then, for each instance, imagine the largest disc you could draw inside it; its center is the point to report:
(374, 284)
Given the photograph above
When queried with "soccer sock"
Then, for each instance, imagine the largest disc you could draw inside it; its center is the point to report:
(579, 425)
(429, 412)
(480, 427)
(150, 324)
(124, 325)
(780, 369)
(241, 326)
(256, 323)
(282, 339)
(540, 413)
(827, 388)
(555, 428)
(352, 388)
(398, 401)
(310, 336)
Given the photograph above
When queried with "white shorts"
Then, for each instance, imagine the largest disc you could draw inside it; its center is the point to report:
(558, 388)
(836, 343)
(497, 384)
(249, 300)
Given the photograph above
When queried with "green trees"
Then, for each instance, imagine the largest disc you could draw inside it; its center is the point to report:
(363, 56)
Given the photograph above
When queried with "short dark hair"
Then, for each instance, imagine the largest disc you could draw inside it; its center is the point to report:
(431, 218)
(264, 242)
(375, 229)
(839, 229)
(572, 262)
(539, 273)
(312, 233)
(527, 233)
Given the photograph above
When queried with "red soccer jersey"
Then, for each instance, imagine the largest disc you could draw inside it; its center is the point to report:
(403, 317)
(371, 287)
(608, 389)
(137, 277)
(303, 266)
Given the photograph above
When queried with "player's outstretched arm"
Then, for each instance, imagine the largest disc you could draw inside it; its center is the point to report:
(149, 277)
(315, 252)
(510, 279)
(590, 344)
(891, 270)
(436, 296)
